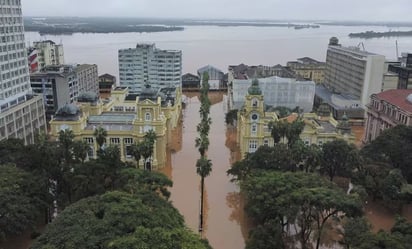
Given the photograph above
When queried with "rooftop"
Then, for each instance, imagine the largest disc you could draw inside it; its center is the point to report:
(397, 97)
(112, 118)
(338, 101)
(243, 71)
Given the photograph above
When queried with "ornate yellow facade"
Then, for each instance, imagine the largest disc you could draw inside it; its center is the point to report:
(253, 124)
(126, 118)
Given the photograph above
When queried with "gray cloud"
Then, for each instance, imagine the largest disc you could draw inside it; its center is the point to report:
(368, 10)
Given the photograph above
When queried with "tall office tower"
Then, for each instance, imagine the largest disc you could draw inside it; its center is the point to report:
(146, 64)
(350, 70)
(45, 53)
(21, 113)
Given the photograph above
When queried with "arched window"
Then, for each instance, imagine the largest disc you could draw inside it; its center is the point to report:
(148, 116)
(255, 102)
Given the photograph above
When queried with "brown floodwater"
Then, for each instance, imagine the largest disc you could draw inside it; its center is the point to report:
(225, 224)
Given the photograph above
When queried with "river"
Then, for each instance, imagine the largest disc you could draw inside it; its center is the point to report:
(223, 46)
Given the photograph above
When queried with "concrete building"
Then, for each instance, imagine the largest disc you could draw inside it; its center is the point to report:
(190, 82)
(386, 110)
(58, 85)
(45, 53)
(215, 77)
(87, 78)
(107, 82)
(340, 104)
(21, 112)
(351, 70)
(309, 69)
(277, 92)
(147, 64)
(126, 118)
(403, 70)
(253, 124)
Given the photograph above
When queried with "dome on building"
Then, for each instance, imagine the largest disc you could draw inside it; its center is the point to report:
(409, 98)
(324, 110)
(254, 89)
(344, 125)
(88, 97)
(68, 110)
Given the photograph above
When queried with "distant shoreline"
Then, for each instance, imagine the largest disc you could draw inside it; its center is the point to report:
(64, 25)
(373, 34)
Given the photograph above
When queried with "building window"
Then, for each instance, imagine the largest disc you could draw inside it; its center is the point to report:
(129, 151)
(255, 102)
(254, 130)
(90, 152)
(253, 144)
(89, 140)
(266, 142)
(148, 116)
(115, 140)
(128, 140)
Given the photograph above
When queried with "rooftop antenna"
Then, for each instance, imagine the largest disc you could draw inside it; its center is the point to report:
(397, 50)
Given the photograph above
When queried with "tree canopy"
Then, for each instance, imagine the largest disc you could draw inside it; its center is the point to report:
(119, 220)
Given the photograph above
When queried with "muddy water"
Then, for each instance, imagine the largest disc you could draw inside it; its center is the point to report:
(224, 221)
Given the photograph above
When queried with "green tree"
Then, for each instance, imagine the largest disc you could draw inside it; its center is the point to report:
(23, 200)
(338, 158)
(231, 117)
(100, 134)
(136, 151)
(80, 149)
(393, 146)
(99, 222)
(299, 198)
(66, 143)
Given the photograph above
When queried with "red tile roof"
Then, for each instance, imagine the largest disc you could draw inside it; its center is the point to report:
(398, 98)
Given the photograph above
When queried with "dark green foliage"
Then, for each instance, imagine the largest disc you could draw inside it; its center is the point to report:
(394, 147)
(339, 159)
(119, 220)
(22, 200)
(231, 117)
(305, 199)
(282, 131)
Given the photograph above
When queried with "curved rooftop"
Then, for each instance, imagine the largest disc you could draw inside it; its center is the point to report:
(254, 89)
(87, 97)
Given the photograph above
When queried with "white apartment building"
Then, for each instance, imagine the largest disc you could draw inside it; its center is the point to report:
(21, 113)
(147, 64)
(45, 53)
(277, 91)
(350, 70)
(87, 78)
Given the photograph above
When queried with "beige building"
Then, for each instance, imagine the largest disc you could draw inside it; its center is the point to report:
(87, 78)
(309, 69)
(388, 109)
(21, 112)
(48, 53)
(126, 118)
(350, 70)
(253, 124)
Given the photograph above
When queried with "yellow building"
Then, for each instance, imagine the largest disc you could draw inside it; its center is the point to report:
(254, 118)
(125, 117)
(309, 68)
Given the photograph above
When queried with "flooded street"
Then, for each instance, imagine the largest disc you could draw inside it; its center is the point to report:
(224, 220)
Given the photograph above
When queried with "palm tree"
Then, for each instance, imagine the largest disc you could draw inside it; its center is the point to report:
(66, 142)
(147, 147)
(203, 169)
(136, 151)
(100, 133)
(80, 149)
(150, 136)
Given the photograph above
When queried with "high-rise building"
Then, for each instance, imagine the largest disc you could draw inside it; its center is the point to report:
(58, 85)
(45, 53)
(146, 64)
(87, 77)
(21, 113)
(350, 70)
(403, 71)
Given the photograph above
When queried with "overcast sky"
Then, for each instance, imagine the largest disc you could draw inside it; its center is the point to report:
(367, 10)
